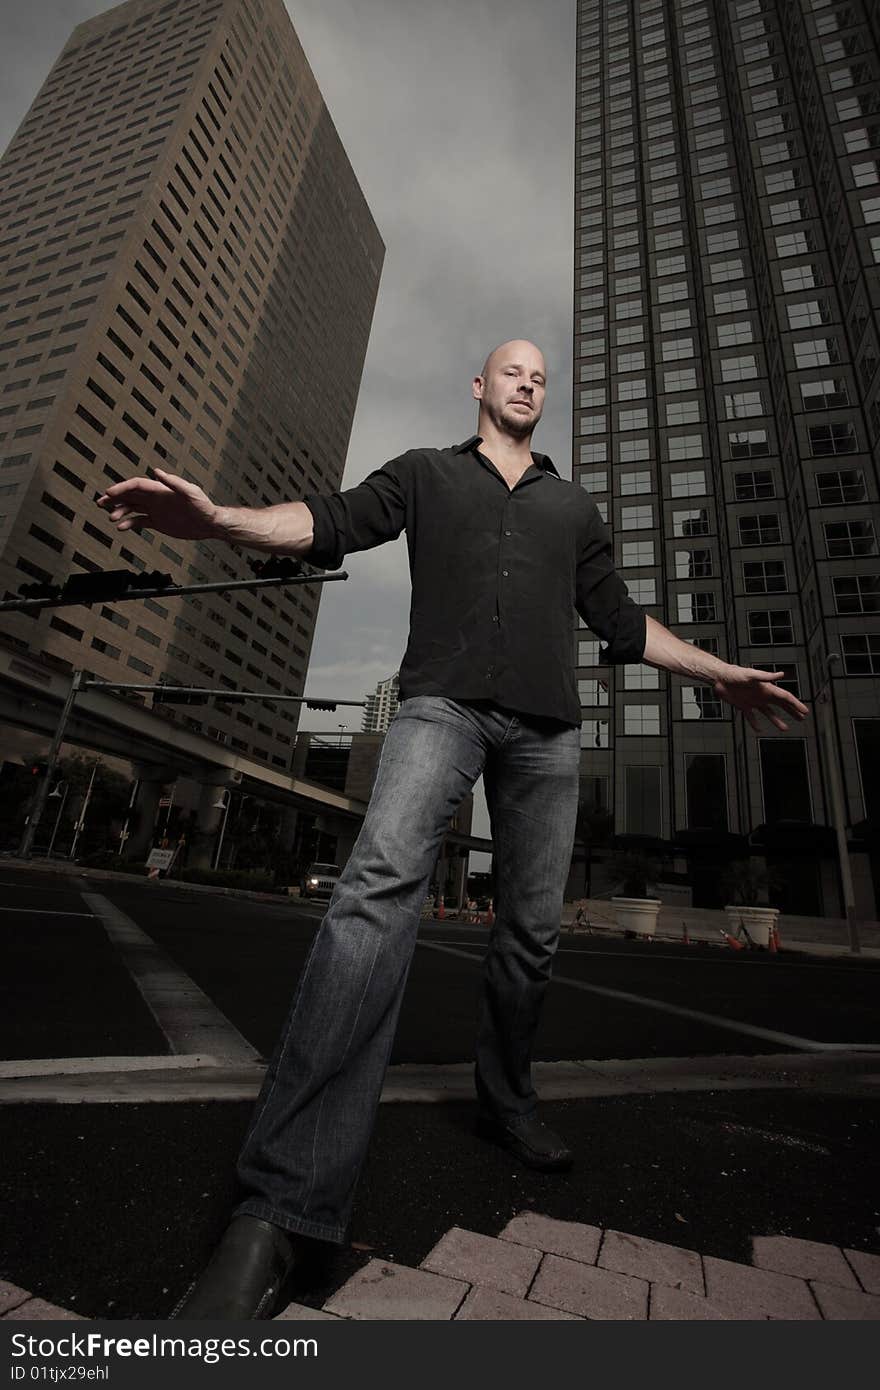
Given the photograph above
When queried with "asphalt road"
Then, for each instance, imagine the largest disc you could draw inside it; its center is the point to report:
(111, 1209)
(246, 956)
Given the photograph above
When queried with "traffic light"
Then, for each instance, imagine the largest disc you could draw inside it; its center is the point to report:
(37, 767)
(102, 585)
(276, 567)
(160, 697)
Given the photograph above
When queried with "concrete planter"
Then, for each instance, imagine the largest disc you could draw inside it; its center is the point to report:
(637, 915)
(758, 921)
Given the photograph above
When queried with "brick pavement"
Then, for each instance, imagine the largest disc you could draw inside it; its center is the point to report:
(540, 1268)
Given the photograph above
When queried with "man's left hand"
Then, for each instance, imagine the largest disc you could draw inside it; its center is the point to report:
(753, 691)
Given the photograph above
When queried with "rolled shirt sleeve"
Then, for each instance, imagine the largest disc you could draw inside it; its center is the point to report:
(360, 517)
(603, 600)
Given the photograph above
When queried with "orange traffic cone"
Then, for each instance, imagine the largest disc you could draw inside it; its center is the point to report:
(732, 942)
(490, 916)
(684, 934)
(772, 945)
(441, 910)
(777, 937)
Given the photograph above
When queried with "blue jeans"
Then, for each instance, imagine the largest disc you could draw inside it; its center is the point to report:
(308, 1137)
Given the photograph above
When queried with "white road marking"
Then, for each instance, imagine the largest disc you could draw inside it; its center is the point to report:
(720, 955)
(46, 912)
(190, 1021)
(748, 1030)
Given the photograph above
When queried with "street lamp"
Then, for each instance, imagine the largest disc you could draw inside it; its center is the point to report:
(81, 819)
(56, 795)
(222, 804)
(838, 814)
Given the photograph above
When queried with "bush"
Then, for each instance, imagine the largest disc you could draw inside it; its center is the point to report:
(107, 859)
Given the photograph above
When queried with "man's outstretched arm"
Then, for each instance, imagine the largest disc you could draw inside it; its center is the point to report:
(745, 687)
(170, 504)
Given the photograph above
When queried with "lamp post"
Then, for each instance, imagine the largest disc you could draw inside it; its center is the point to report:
(838, 814)
(222, 805)
(81, 819)
(55, 795)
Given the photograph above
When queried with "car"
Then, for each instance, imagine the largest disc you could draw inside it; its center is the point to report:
(319, 880)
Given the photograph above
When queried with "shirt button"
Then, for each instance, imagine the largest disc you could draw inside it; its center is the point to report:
(495, 619)
(504, 574)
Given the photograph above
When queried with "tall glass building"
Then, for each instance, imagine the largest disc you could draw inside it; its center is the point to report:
(188, 272)
(727, 411)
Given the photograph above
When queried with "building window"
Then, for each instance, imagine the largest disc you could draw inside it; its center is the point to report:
(841, 486)
(641, 719)
(762, 529)
(682, 413)
(856, 593)
(700, 702)
(861, 654)
(637, 518)
(693, 564)
(748, 444)
(743, 403)
(849, 538)
(729, 334)
(832, 439)
(632, 420)
(641, 678)
(691, 523)
(764, 576)
(738, 368)
(676, 348)
(593, 692)
(690, 484)
(636, 553)
(769, 626)
(753, 487)
(633, 483)
(809, 313)
(642, 590)
(594, 733)
(685, 446)
(867, 734)
(829, 394)
(588, 651)
(697, 607)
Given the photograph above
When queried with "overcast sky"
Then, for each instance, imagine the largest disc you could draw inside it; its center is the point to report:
(457, 116)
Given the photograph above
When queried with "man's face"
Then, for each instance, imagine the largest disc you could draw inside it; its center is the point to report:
(512, 387)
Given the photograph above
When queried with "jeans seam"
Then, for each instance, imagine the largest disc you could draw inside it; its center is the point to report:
(326, 1086)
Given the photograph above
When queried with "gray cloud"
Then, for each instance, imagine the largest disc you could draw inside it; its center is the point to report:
(458, 120)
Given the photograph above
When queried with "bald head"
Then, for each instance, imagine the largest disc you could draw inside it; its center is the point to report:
(516, 347)
(510, 389)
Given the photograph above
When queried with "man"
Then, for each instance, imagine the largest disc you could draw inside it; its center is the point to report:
(502, 551)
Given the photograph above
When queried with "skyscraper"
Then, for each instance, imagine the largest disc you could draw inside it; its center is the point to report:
(381, 706)
(727, 404)
(189, 271)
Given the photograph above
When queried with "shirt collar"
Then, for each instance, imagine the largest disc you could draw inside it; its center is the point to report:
(539, 460)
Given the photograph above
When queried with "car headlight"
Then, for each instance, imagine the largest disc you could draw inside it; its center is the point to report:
(313, 883)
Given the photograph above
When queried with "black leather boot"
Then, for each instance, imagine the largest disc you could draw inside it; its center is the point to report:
(529, 1140)
(244, 1275)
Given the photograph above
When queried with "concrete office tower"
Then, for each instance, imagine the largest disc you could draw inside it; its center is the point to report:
(189, 271)
(727, 407)
(381, 706)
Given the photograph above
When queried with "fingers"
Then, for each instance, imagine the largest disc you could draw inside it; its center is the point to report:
(132, 489)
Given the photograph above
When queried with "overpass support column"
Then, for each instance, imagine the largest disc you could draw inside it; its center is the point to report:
(152, 780)
(211, 819)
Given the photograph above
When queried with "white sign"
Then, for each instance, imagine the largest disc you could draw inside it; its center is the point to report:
(160, 858)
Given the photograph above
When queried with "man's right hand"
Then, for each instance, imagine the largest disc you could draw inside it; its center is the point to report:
(168, 504)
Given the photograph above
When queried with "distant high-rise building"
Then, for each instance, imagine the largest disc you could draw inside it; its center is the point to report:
(188, 272)
(381, 706)
(727, 407)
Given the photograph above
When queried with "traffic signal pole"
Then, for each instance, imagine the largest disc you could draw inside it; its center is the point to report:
(39, 806)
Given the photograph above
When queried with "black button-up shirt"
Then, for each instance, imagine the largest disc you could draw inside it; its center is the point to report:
(496, 575)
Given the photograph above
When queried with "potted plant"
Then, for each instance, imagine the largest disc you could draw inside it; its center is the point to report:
(747, 885)
(636, 911)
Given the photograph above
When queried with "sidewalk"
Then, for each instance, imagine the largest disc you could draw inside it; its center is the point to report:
(540, 1269)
